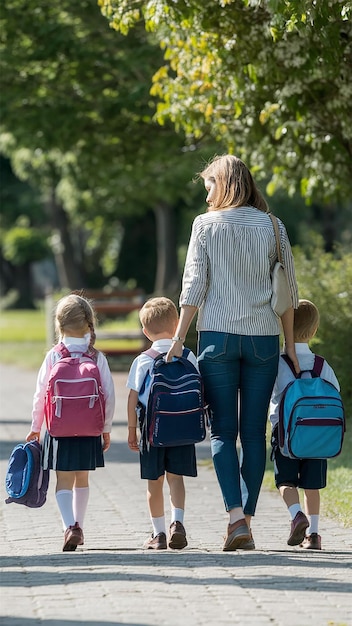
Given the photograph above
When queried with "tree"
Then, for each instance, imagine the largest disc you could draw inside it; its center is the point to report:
(272, 79)
(21, 247)
(78, 119)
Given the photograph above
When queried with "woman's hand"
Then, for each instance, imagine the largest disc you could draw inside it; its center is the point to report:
(175, 350)
(291, 353)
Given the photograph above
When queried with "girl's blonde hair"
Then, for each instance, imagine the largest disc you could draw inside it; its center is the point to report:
(159, 315)
(306, 321)
(73, 314)
(235, 186)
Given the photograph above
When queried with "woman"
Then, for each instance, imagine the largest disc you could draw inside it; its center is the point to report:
(227, 278)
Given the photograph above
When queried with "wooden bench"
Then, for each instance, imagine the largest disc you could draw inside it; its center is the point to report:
(118, 304)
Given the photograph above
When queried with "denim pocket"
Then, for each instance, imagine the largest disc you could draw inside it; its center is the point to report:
(212, 345)
(265, 347)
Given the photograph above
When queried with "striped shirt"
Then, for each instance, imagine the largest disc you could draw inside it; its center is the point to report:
(228, 267)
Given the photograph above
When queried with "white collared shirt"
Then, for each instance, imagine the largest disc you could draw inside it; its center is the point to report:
(142, 365)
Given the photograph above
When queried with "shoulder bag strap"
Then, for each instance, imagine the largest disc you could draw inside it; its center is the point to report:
(277, 237)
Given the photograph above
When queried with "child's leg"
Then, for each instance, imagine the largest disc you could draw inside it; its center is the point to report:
(64, 497)
(290, 496)
(312, 508)
(177, 534)
(80, 496)
(299, 521)
(177, 496)
(155, 501)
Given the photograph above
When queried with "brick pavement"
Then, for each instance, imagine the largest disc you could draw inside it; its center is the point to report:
(112, 581)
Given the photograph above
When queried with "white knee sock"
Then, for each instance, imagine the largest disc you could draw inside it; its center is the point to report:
(177, 515)
(158, 525)
(294, 509)
(64, 499)
(80, 503)
(313, 524)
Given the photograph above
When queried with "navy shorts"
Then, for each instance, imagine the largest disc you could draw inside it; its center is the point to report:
(303, 473)
(180, 460)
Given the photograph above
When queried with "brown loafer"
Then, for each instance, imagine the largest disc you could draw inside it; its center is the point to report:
(249, 545)
(156, 543)
(73, 537)
(177, 537)
(238, 534)
(311, 542)
(298, 529)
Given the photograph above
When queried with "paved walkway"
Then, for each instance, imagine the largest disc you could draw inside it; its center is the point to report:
(112, 581)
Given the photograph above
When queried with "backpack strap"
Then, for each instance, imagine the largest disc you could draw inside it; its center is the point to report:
(318, 365)
(62, 351)
(316, 370)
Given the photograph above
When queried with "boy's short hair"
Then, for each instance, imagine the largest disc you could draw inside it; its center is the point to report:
(159, 315)
(306, 321)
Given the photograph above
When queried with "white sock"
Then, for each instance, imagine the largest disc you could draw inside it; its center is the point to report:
(80, 503)
(294, 509)
(64, 499)
(313, 524)
(158, 525)
(235, 515)
(177, 515)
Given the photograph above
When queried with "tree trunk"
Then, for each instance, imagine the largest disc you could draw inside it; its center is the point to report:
(167, 275)
(23, 282)
(69, 272)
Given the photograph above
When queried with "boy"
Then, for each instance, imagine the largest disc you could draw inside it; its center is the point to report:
(159, 319)
(309, 474)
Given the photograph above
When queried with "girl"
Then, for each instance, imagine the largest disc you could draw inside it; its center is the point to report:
(73, 457)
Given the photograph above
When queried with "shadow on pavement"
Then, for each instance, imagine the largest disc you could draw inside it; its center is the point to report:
(105, 567)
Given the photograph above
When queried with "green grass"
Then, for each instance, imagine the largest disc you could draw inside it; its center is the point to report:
(23, 343)
(23, 336)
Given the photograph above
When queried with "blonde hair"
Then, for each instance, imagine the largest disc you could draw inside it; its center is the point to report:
(73, 314)
(306, 321)
(159, 315)
(235, 186)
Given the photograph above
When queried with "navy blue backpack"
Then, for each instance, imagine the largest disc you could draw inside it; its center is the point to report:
(26, 481)
(311, 416)
(176, 413)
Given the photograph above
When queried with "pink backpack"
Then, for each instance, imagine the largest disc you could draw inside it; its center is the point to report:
(74, 401)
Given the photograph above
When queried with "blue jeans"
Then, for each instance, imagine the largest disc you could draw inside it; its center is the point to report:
(239, 372)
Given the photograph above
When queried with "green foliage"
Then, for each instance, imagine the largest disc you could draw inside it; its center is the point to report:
(77, 121)
(22, 245)
(326, 279)
(270, 79)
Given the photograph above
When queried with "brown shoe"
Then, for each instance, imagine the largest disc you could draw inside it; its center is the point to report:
(238, 534)
(73, 538)
(156, 543)
(249, 545)
(177, 536)
(298, 529)
(311, 542)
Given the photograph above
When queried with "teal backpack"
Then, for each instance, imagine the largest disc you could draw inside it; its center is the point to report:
(311, 416)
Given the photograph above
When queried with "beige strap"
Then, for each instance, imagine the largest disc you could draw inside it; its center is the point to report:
(277, 237)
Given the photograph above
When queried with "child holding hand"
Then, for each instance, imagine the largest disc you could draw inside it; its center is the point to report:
(159, 319)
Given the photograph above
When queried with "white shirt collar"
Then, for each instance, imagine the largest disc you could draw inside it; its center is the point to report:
(162, 345)
(302, 348)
